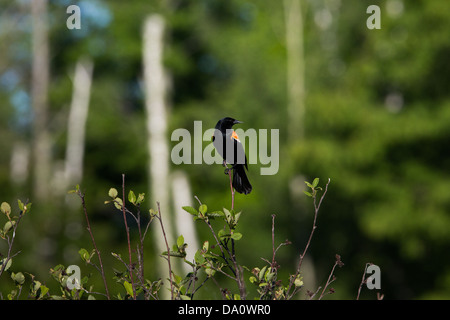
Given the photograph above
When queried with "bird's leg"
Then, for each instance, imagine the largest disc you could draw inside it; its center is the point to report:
(224, 163)
(227, 170)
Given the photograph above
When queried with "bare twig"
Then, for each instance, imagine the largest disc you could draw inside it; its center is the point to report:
(363, 280)
(331, 277)
(199, 202)
(302, 256)
(313, 294)
(231, 188)
(83, 203)
(273, 264)
(140, 248)
(168, 250)
(238, 269)
(130, 267)
(10, 244)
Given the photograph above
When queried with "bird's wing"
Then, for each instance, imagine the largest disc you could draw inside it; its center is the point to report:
(239, 152)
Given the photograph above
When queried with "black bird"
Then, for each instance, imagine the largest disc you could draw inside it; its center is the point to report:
(227, 143)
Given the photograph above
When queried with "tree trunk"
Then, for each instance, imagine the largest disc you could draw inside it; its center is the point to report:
(76, 126)
(295, 69)
(158, 148)
(182, 196)
(39, 94)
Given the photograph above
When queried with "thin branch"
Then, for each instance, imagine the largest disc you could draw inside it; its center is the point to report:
(363, 280)
(331, 277)
(83, 203)
(238, 270)
(232, 190)
(273, 264)
(10, 244)
(302, 256)
(140, 249)
(313, 294)
(316, 213)
(128, 236)
(168, 250)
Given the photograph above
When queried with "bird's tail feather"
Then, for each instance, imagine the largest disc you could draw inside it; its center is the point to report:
(240, 180)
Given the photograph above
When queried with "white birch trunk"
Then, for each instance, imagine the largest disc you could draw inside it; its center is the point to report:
(76, 127)
(39, 94)
(158, 148)
(182, 196)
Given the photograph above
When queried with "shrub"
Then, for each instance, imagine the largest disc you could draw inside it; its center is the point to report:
(212, 259)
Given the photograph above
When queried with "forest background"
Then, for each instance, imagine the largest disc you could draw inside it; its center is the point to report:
(367, 108)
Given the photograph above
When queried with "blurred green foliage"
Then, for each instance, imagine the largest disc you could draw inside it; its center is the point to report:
(376, 123)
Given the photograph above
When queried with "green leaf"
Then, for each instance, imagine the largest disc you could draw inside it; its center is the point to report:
(223, 234)
(307, 193)
(7, 265)
(205, 246)
(269, 276)
(315, 182)
(215, 214)
(227, 213)
(27, 207)
(43, 291)
(210, 272)
(202, 209)
(118, 203)
(140, 198)
(128, 288)
(35, 285)
(132, 197)
(180, 241)
(113, 193)
(236, 236)
(116, 255)
(175, 254)
(184, 297)
(76, 190)
(21, 205)
(199, 258)
(308, 184)
(5, 208)
(190, 210)
(84, 254)
(8, 226)
(18, 278)
(298, 282)
(262, 272)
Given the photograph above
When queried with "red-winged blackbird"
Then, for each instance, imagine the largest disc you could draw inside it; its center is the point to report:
(227, 143)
